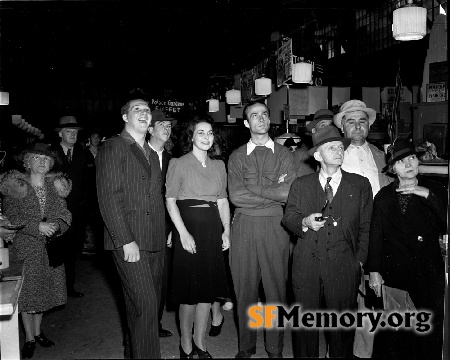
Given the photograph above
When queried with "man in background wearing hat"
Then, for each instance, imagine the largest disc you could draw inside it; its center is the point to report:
(330, 211)
(354, 119)
(129, 188)
(75, 166)
(160, 130)
(322, 118)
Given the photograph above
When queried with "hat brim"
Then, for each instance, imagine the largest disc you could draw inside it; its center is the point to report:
(369, 111)
(345, 141)
(68, 126)
(155, 121)
(402, 155)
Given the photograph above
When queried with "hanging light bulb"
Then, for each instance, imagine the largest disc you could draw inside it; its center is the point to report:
(213, 105)
(233, 97)
(263, 86)
(16, 119)
(4, 98)
(409, 22)
(302, 72)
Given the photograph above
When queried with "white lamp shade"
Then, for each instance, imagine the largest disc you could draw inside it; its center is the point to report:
(302, 72)
(409, 23)
(233, 97)
(4, 98)
(213, 105)
(263, 86)
(16, 119)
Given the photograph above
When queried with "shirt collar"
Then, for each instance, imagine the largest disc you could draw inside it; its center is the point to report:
(364, 146)
(336, 177)
(251, 146)
(156, 151)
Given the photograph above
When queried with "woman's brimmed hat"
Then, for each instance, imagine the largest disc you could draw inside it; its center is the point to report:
(400, 149)
(325, 135)
(41, 149)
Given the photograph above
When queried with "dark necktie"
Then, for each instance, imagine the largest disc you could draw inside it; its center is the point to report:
(69, 155)
(329, 190)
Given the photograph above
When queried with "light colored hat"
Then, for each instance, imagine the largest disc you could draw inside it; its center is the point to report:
(351, 106)
(322, 114)
(68, 122)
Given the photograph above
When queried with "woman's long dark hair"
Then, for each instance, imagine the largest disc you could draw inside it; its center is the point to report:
(188, 135)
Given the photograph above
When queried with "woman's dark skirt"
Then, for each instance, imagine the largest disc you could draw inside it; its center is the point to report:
(199, 277)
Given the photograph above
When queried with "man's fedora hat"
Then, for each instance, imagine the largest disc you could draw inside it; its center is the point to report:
(322, 114)
(400, 149)
(325, 135)
(68, 122)
(158, 115)
(351, 106)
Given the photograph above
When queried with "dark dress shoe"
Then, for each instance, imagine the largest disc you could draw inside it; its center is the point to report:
(42, 340)
(75, 294)
(275, 355)
(164, 333)
(28, 349)
(202, 354)
(245, 354)
(215, 330)
(183, 355)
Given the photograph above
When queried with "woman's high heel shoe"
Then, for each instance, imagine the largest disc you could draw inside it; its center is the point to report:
(201, 353)
(183, 355)
(216, 329)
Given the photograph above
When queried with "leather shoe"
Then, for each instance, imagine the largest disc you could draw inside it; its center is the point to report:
(243, 354)
(274, 355)
(42, 340)
(202, 354)
(164, 333)
(215, 330)
(75, 294)
(28, 349)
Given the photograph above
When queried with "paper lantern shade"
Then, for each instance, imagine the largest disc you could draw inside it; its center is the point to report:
(213, 105)
(409, 23)
(4, 98)
(233, 97)
(263, 86)
(302, 72)
(16, 119)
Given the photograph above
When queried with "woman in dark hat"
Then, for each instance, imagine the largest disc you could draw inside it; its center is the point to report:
(35, 199)
(408, 217)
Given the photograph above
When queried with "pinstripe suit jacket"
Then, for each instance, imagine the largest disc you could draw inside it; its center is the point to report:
(129, 196)
(356, 212)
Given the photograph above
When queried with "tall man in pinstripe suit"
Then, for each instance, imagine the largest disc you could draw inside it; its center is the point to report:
(131, 203)
(330, 251)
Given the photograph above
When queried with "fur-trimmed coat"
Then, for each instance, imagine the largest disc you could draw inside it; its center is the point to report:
(44, 286)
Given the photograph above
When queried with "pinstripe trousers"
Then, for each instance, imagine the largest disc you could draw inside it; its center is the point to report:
(335, 284)
(141, 284)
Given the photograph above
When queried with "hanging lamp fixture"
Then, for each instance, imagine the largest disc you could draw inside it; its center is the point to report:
(233, 97)
(409, 22)
(213, 105)
(302, 72)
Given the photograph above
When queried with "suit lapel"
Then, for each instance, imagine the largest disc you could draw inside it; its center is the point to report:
(140, 156)
(311, 193)
(391, 209)
(348, 198)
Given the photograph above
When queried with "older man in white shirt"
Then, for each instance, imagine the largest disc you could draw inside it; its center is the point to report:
(354, 119)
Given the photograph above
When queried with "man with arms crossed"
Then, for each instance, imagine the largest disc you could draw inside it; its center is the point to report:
(330, 251)
(259, 177)
(131, 203)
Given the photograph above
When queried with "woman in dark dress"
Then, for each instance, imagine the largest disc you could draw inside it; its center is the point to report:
(198, 206)
(36, 199)
(404, 252)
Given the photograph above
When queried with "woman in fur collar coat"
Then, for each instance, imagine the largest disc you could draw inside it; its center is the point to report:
(36, 199)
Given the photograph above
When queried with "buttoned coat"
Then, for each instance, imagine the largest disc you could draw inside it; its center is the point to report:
(129, 191)
(356, 213)
(403, 251)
